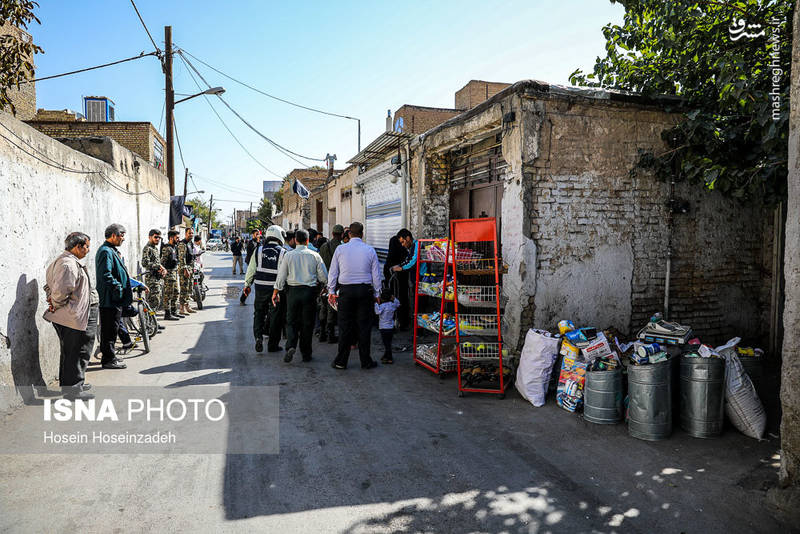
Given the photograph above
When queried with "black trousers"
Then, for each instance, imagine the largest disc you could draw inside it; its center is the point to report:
(110, 326)
(76, 349)
(356, 313)
(269, 319)
(327, 317)
(404, 311)
(386, 337)
(301, 306)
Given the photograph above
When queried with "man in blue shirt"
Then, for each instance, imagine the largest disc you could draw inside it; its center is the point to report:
(356, 274)
(404, 271)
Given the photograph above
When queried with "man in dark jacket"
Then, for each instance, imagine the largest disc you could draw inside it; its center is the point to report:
(327, 315)
(236, 251)
(114, 292)
(398, 255)
(252, 245)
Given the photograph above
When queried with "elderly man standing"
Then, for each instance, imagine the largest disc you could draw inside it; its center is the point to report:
(302, 271)
(114, 291)
(356, 274)
(73, 312)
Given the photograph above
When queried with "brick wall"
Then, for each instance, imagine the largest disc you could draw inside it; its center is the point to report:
(138, 137)
(475, 92)
(590, 214)
(24, 98)
(419, 119)
(297, 211)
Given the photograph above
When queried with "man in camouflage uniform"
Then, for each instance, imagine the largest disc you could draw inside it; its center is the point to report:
(153, 271)
(185, 270)
(169, 260)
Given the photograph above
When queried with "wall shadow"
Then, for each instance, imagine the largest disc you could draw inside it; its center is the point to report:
(23, 340)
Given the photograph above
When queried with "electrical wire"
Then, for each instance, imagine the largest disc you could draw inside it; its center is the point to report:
(265, 93)
(283, 149)
(230, 188)
(140, 56)
(178, 139)
(229, 130)
(158, 50)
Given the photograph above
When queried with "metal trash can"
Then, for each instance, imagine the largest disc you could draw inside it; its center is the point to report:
(602, 397)
(754, 367)
(702, 396)
(650, 401)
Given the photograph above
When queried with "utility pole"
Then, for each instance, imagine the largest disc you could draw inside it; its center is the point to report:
(185, 179)
(211, 214)
(249, 215)
(169, 106)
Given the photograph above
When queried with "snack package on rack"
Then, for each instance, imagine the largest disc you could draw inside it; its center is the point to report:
(569, 394)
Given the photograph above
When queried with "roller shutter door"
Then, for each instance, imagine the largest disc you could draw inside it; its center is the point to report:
(383, 214)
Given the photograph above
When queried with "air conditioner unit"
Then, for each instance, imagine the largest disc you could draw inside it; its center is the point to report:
(98, 109)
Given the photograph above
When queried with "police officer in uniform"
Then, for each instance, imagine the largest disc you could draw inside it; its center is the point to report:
(169, 260)
(153, 270)
(262, 272)
(186, 270)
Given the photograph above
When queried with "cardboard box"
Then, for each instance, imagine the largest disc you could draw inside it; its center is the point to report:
(597, 348)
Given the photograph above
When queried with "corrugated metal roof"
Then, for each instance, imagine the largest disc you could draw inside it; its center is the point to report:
(379, 147)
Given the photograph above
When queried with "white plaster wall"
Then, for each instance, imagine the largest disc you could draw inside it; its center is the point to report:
(40, 205)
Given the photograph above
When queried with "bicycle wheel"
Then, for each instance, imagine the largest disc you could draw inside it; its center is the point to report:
(152, 320)
(143, 330)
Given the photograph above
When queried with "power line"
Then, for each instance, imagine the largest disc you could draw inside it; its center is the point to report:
(141, 55)
(158, 50)
(231, 188)
(267, 94)
(178, 139)
(229, 130)
(283, 149)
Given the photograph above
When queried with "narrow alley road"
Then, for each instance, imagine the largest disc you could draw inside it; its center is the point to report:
(385, 450)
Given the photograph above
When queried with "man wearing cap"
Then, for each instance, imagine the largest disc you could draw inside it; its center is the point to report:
(327, 315)
(262, 271)
(153, 270)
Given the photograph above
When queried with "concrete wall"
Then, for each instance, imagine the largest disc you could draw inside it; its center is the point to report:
(790, 371)
(42, 203)
(138, 137)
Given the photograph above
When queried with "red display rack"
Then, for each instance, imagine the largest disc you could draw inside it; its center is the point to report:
(433, 308)
(476, 282)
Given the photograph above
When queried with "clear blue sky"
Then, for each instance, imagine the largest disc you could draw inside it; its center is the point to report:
(354, 58)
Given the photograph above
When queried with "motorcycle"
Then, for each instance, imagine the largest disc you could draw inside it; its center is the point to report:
(199, 288)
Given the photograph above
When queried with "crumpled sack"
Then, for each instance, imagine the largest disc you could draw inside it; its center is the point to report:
(535, 365)
(742, 404)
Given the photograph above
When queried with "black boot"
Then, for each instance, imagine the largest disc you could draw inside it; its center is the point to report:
(176, 314)
(168, 316)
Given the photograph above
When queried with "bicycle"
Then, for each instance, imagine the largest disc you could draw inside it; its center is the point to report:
(146, 324)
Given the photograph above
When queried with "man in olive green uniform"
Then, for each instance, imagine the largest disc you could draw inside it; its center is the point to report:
(185, 270)
(153, 271)
(169, 260)
(327, 315)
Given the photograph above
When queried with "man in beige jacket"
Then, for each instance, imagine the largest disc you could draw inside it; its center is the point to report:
(73, 311)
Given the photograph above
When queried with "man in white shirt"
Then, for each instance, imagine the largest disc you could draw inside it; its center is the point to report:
(300, 271)
(356, 274)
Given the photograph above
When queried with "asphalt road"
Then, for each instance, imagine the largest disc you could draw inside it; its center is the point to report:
(383, 450)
